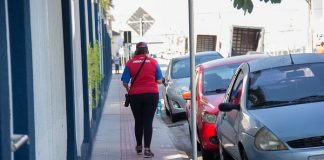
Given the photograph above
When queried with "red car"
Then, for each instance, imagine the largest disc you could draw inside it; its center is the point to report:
(212, 80)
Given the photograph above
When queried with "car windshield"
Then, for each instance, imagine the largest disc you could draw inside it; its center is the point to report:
(287, 85)
(217, 79)
(181, 67)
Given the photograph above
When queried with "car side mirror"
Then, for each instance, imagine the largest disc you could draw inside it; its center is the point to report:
(226, 107)
(186, 95)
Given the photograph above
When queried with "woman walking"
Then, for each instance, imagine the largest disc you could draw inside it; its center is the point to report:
(145, 75)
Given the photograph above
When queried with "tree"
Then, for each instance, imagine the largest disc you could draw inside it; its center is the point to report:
(105, 6)
(247, 5)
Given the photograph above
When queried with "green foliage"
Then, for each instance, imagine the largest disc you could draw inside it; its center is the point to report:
(247, 5)
(105, 5)
(94, 74)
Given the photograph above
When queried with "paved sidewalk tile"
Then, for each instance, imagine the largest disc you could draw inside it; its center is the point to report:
(115, 138)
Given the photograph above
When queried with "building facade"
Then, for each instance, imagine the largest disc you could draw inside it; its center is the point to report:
(271, 28)
(44, 97)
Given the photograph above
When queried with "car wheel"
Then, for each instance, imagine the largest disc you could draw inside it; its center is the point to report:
(167, 112)
(223, 155)
(244, 156)
(207, 155)
(172, 117)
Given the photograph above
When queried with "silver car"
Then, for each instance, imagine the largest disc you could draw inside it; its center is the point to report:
(177, 81)
(274, 110)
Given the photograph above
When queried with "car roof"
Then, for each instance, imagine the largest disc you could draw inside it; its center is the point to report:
(198, 54)
(253, 52)
(284, 60)
(232, 60)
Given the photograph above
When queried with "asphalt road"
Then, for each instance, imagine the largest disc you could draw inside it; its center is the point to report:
(179, 131)
(179, 134)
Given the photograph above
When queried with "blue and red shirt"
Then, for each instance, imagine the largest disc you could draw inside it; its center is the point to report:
(146, 79)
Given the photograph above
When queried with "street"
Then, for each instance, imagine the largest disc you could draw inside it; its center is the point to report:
(179, 133)
(179, 130)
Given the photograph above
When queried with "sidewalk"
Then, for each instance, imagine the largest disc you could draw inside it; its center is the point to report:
(115, 139)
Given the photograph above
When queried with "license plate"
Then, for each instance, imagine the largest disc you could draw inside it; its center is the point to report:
(318, 157)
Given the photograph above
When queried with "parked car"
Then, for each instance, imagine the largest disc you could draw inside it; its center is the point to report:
(253, 52)
(213, 79)
(177, 81)
(274, 109)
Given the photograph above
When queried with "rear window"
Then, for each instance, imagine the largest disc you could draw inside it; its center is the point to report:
(217, 79)
(286, 86)
(181, 68)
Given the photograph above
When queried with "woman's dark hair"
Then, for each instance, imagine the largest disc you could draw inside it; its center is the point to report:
(141, 48)
(141, 51)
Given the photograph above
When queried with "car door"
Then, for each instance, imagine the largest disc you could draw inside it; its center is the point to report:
(228, 126)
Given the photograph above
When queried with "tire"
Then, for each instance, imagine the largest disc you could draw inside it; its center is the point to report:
(243, 155)
(207, 155)
(167, 112)
(173, 117)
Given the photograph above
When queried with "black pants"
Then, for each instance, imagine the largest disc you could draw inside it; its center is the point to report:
(117, 68)
(143, 107)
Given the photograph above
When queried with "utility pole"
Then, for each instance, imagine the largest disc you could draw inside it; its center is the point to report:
(192, 80)
(310, 46)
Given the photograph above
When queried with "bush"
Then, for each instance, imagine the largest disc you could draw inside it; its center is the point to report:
(94, 74)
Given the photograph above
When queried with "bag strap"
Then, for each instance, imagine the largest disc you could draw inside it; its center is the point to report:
(133, 80)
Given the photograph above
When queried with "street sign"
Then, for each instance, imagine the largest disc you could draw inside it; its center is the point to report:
(140, 21)
(127, 37)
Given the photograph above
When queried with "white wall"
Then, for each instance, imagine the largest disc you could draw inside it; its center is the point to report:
(49, 81)
(284, 24)
(318, 21)
(117, 42)
(77, 67)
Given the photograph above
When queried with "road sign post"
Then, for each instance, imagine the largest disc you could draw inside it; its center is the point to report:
(140, 21)
(192, 81)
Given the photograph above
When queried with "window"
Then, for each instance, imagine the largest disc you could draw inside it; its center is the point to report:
(235, 96)
(286, 85)
(244, 40)
(181, 67)
(217, 79)
(206, 43)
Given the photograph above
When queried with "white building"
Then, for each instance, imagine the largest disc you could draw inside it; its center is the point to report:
(270, 28)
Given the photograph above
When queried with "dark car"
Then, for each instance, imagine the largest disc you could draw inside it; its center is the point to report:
(177, 80)
(212, 81)
(274, 109)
